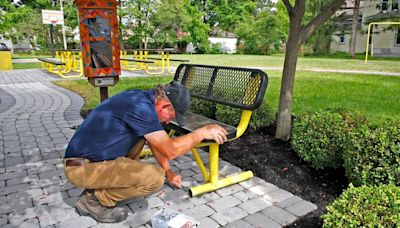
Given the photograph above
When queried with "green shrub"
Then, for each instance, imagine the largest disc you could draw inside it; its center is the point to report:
(318, 138)
(202, 107)
(365, 207)
(372, 155)
(262, 117)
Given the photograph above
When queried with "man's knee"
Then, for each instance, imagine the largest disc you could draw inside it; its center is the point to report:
(156, 177)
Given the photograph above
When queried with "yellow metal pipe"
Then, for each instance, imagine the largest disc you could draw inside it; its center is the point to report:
(201, 165)
(368, 37)
(171, 133)
(244, 122)
(209, 187)
(214, 154)
(369, 32)
(169, 64)
(203, 144)
(145, 153)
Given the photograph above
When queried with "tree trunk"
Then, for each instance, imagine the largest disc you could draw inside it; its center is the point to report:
(284, 119)
(354, 29)
(297, 36)
(120, 36)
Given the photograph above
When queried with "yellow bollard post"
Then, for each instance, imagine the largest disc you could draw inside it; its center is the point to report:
(6, 62)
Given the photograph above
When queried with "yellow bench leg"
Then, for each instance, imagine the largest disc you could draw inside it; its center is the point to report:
(214, 183)
(147, 152)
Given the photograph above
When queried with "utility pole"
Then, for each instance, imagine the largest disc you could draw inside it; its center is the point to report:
(63, 26)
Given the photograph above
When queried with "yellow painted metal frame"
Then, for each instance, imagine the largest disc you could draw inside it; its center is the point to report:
(369, 33)
(212, 178)
(158, 67)
(72, 63)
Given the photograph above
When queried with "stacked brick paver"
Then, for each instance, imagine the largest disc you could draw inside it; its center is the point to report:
(37, 119)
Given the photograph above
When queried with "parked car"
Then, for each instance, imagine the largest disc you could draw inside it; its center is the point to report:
(3, 47)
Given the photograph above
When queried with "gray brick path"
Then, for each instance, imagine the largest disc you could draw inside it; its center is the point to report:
(37, 119)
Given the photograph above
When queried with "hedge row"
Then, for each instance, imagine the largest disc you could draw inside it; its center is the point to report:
(369, 152)
(320, 137)
(365, 206)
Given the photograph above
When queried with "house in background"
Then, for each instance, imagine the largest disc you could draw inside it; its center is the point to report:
(385, 39)
(227, 40)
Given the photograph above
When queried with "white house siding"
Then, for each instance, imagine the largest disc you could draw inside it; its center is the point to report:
(383, 41)
(360, 45)
(226, 43)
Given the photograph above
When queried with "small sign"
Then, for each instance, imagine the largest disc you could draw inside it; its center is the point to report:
(104, 81)
(54, 17)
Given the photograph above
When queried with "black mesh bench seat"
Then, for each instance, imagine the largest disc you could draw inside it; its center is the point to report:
(137, 60)
(53, 61)
(194, 121)
(240, 88)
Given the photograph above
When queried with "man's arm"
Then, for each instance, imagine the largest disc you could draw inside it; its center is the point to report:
(164, 163)
(171, 148)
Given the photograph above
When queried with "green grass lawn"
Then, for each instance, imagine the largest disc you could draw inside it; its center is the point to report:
(303, 62)
(387, 65)
(376, 96)
(17, 66)
(91, 94)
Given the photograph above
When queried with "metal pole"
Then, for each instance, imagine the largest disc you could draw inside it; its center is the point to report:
(103, 93)
(63, 26)
(369, 32)
(367, 48)
(52, 41)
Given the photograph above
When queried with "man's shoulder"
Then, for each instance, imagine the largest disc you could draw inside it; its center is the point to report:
(134, 96)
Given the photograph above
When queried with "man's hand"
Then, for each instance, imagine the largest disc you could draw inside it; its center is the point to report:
(175, 180)
(214, 132)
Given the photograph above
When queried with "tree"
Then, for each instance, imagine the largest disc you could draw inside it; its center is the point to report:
(354, 29)
(298, 34)
(260, 33)
(195, 27)
(168, 19)
(320, 40)
(224, 14)
(136, 19)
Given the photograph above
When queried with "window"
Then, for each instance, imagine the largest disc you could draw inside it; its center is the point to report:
(395, 5)
(341, 39)
(384, 5)
(398, 36)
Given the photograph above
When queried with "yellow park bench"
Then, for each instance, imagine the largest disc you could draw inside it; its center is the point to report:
(240, 88)
(152, 65)
(64, 63)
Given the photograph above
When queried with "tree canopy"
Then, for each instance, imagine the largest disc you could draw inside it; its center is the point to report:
(261, 25)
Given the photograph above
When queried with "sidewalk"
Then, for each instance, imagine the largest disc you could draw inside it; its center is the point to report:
(36, 122)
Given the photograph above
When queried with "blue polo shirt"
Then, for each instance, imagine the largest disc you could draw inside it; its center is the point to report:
(115, 126)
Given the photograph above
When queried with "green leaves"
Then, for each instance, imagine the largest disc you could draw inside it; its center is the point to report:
(319, 137)
(365, 206)
(372, 154)
(260, 33)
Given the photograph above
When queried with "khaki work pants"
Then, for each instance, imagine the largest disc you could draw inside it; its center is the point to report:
(118, 179)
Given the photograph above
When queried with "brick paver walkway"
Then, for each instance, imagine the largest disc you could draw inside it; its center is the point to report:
(37, 119)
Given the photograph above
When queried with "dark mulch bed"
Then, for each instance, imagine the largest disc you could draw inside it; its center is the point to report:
(275, 162)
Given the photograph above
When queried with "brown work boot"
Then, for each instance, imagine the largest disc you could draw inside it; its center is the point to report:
(89, 205)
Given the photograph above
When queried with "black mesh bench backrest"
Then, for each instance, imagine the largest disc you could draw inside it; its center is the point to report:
(236, 87)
